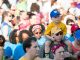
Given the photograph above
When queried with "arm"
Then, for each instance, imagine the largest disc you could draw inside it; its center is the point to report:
(5, 32)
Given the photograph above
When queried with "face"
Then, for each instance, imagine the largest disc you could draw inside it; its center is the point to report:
(58, 36)
(9, 17)
(1, 41)
(33, 20)
(33, 51)
(56, 19)
(37, 33)
(24, 36)
(59, 54)
(23, 15)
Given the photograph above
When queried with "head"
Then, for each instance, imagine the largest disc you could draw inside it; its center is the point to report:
(35, 7)
(23, 35)
(60, 53)
(2, 40)
(55, 16)
(57, 34)
(6, 16)
(14, 37)
(23, 15)
(77, 36)
(13, 10)
(29, 46)
(37, 30)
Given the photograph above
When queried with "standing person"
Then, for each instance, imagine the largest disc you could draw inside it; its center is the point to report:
(6, 26)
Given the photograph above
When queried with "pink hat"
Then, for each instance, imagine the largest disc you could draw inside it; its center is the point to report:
(36, 27)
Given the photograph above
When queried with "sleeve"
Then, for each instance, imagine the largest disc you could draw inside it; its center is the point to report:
(65, 30)
(5, 31)
(48, 30)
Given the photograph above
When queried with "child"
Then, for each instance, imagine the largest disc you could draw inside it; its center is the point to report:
(56, 22)
(37, 31)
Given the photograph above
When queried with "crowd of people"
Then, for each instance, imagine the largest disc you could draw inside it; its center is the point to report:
(39, 30)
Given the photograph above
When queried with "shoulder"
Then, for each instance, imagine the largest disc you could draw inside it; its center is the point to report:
(62, 24)
(51, 24)
(22, 58)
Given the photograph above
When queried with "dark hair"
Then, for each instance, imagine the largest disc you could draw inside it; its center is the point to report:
(70, 58)
(20, 35)
(35, 7)
(68, 21)
(3, 40)
(12, 36)
(27, 43)
(7, 3)
(42, 26)
(30, 14)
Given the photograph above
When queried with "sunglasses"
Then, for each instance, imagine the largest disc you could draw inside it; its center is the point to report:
(60, 33)
(38, 33)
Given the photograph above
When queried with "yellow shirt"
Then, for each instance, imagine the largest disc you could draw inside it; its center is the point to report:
(52, 24)
(23, 58)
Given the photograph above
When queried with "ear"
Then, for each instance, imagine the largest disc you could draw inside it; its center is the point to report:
(27, 49)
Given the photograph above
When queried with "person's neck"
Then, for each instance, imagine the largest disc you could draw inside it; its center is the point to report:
(56, 23)
(29, 57)
(56, 42)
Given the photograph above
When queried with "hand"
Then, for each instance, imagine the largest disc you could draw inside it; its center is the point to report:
(77, 53)
(50, 37)
(32, 52)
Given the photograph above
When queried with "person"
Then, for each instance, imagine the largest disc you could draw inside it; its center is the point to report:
(2, 41)
(58, 41)
(76, 44)
(38, 31)
(70, 37)
(23, 35)
(60, 53)
(56, 22)
(29, 47)
(6, 26)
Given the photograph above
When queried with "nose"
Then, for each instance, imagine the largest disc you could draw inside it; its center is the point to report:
(62, 53)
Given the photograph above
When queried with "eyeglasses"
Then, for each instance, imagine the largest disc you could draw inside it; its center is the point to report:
(38, 33)
(60, 33)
